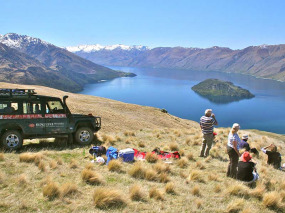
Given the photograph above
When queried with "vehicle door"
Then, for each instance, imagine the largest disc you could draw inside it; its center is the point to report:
(33, 117)
(55, 117)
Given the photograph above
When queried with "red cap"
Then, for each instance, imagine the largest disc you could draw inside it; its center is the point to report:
(246, 157)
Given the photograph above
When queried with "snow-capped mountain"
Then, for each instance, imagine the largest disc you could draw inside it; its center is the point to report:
(42, 63)
(17, 41)
(98, 47)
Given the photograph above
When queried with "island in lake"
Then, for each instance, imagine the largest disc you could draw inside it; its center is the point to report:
(219, 91)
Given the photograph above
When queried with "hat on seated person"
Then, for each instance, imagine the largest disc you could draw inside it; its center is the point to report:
(244, 137)
(246, 157)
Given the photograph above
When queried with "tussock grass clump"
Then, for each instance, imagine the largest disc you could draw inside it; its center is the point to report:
(235, 206)
(141, 144)
(53, 164)
(200, 165)
(59, 161)
(188, 141)
(213, 177)
(208, 159)
(182, 152)
(174, 147)
(91, 177)
(2, 158)
(196, 190)
(170, 188)
(89, 166)
(115, 166)
(198, 203)
(129, 133)
(42, 166)
(238, 189)
(151, 175)
(156, 194)
(151, 157)
(136, 193)
(258, 192)
(190, 156)
(272, 200)
(137, 170)
(73, 164)
(196, 175)
(105, 198)
(109, 139)
(31, 157)
(163, 178)
(161, 167)
(183, 162)
(68, 189)
(217, 188)
(22, 180)
(51, 190)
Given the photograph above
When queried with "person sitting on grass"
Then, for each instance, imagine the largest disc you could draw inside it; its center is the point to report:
(245, 145)
(274, 157)
(246, 170)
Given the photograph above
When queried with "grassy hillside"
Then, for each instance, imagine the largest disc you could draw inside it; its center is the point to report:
(47, 176)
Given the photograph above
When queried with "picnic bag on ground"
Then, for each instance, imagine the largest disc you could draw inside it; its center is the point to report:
(111, 154)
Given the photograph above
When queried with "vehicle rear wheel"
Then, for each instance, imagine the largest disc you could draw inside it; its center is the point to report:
(84, 136)
(12, 139)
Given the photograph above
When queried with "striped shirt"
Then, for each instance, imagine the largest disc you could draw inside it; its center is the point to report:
(207, 124)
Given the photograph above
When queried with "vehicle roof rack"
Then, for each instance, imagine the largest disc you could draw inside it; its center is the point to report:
(17, 92)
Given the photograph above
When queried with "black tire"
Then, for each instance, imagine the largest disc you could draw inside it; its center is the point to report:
(84, 136)
(12, 140)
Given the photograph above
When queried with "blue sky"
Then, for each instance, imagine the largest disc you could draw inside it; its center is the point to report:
(229, 23)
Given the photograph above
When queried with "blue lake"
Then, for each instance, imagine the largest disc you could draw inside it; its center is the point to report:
(171, 90)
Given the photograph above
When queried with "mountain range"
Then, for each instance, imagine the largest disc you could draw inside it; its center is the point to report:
(28, 60)
(266, 61)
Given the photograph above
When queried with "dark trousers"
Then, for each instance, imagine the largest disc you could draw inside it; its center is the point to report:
(232, 168)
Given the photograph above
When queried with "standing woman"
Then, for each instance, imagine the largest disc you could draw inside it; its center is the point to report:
(233, 150)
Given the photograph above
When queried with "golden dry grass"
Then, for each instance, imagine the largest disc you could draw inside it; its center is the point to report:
(2, 158)
(51, 190)
(196, 190)
(151, 157)
(136, 193)
(272, 200)
(22, 180)
(174, 147)
(196, 175)
(183, 162)
(235, 206)
(68, 189)
(106, 198)
(170, 188)
(91, 177)
(162, 167)
(115, 166)
(30, 157)
(238, 189)
(151, 175)
(137, 170)
(156, 194)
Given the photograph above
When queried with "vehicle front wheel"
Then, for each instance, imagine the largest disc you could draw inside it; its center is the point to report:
(84, 136)
(12, 140)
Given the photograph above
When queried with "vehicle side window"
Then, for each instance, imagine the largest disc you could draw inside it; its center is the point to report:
(9, 108)
(32, 108)
(54, 107)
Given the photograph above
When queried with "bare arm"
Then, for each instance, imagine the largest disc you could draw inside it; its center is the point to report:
(235, 148)
(213, 116)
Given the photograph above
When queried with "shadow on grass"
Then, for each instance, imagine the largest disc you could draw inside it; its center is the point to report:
(57, 144)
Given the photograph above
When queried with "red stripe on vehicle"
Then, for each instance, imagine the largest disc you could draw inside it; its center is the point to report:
(34, 116)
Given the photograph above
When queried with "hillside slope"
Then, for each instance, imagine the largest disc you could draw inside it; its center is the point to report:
(75, 69)
(47, 176)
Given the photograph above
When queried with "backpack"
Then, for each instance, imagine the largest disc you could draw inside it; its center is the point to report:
(97, 151)
(111, 154)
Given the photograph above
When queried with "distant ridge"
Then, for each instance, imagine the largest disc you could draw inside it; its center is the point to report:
(78, 71)
(266, 61)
